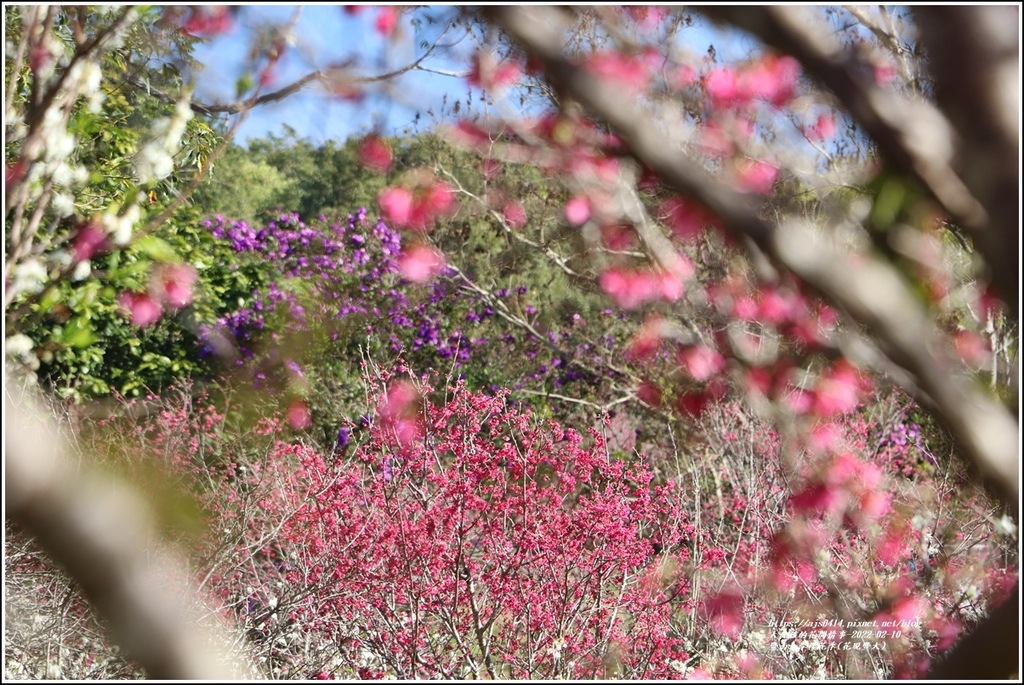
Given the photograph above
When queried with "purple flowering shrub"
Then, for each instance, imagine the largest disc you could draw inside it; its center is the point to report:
(330, 294)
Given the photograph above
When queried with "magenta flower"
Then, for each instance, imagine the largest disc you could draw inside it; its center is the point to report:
(577, 211)
(387, 21)
(375, 154)
(89, 240)
(515, 215)
(395, 205)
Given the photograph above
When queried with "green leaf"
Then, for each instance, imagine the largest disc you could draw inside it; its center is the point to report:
(51, 297)
(244, 85)
(156, 248)
(78, 333)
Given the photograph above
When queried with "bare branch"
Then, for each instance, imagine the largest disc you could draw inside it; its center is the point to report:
(330, 77)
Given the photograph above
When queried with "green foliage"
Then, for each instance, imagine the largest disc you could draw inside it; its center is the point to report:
(289, 173)
(243, 186)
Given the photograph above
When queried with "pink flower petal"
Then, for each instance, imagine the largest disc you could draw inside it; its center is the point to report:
(387, 21)
(89, 240)
(420, 263)
(723, 87)
(755, 176)
(823, 129)
(395, 205)
(143, 309)
(399, 411)
(299, 417)
(725, 614)
(375, 154)
(515, 215)
(173, 284)
(701, 362)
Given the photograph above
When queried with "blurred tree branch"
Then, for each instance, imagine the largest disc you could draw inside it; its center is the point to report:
(103, 533)
(866, 286)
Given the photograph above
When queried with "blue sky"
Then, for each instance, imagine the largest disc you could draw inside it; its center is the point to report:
(326, 34)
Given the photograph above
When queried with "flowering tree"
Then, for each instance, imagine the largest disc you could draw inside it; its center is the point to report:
(803, 228)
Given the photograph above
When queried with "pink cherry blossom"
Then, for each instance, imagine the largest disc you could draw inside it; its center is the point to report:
(649, 393)
(745, 308)
(670, 285)
(701, 362)
(947, 631)
(647, 341)
(818, 498)
(491, 168)
(618, 236)
(725, 613)
(399, 411)
(822, 129)
(972, 348)
(838, 391)
(892, 547)
(755, 176)
(723, 86)
(208, 21)
(299, 417)
(487, 72)
(628, 71)
(773, 79)
(387, 21)
(685, 218)
(884, 73)
(89, 240)
(872, 506)
(774, 307)
(438, 199)
(646, 17)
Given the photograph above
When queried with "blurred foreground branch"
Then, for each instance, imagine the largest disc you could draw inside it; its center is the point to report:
(103, 534)
(865, 285)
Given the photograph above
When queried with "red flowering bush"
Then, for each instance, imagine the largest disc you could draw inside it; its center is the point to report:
(494, 547)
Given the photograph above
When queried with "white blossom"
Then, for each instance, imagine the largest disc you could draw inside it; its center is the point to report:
(1005, 526)
(155, 159)
(63, 204)
(153, 163)
(18, 346)
(82, 270)
(58, 143)
(120, 227)
(29, 277)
